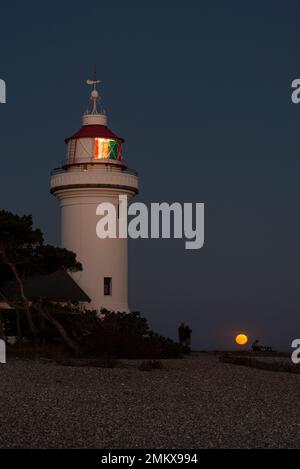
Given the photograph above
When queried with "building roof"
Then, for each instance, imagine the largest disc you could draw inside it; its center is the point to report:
(58, 286)
(95, 131)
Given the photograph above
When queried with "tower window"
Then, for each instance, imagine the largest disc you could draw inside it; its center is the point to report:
(107, 286)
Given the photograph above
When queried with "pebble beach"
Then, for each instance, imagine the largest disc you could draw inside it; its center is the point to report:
(196, 402)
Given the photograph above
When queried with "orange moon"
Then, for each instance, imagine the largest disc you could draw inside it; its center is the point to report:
(241, 339)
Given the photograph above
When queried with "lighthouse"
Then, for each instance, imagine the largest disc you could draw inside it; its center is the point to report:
(95, 172)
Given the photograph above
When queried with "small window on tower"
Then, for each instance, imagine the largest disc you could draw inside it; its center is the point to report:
(107, 286)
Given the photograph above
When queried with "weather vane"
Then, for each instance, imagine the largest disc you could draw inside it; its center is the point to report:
(94, 94)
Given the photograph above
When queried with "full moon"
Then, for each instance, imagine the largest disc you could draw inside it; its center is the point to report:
(241, 339)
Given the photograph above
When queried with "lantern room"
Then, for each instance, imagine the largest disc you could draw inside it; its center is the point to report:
(94, 142)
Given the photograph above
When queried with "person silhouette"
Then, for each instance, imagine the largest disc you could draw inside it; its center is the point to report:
(188, 335)
(255, 346)
(182, 334)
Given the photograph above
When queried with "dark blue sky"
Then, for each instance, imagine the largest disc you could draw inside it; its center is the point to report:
(201, 93)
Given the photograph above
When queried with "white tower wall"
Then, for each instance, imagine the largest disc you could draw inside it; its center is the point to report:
(79, 198)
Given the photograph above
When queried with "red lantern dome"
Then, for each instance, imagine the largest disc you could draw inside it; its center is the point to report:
(94, 142)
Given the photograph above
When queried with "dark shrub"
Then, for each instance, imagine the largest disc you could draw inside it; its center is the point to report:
(120, 335)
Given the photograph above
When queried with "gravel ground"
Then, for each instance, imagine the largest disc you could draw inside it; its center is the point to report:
(196, 402)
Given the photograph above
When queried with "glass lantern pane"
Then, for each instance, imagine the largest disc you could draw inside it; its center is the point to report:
(114, 150)
(105, 148)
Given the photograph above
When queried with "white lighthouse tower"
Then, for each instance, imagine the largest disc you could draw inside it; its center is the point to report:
(95, 172)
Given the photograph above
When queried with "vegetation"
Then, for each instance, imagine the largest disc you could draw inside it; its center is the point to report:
(108, 334)
(23, 253)
(43, 322)
(123, 335)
